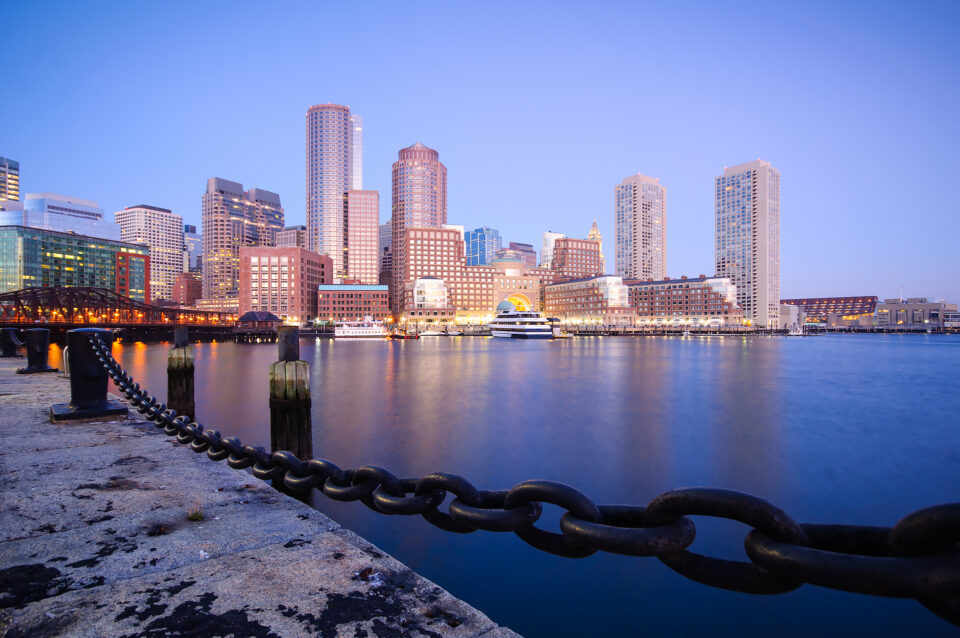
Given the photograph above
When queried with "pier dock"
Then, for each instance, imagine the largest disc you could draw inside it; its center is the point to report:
(110, 528)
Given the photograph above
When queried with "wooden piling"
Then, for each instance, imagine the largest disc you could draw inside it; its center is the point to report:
(290, 422)
(180, 375)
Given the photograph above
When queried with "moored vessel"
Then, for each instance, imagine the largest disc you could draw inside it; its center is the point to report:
(519, 324)
(366, 329)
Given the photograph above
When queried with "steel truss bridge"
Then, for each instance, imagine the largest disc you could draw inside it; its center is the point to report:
(77, 307)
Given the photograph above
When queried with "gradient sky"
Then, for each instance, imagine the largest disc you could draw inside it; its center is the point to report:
(538, 110)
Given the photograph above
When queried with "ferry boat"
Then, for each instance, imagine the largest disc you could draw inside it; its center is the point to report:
(519, 324)
(366, 329)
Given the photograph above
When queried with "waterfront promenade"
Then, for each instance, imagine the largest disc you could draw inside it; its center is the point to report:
(96, 540)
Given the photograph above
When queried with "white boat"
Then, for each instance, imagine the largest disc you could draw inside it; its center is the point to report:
(431, 333)
(366, 329)
(454, 333)
(519, 324)
(796, 330)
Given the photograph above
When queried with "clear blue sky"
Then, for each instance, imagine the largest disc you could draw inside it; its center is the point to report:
(537, 109)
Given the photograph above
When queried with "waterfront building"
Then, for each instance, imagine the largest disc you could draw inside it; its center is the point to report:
(419, 200)
(430, 301)
(482, 245)
(162, 231)
(60, 213)
(356, 152)
(233, 218)
(592, 300)
(473, 292)
(9, 181)
(282, 280)
(362, 262)
(686, 301)
(916, 313)
(39, 258)
(527, 252)
(747, 242)
(187, 288)
(352, 302)
(292, 237)
(577, 258)
(641, 228)
(819, 309)
(193, 246)
(329, 177)
(546, 249)
(230, 305)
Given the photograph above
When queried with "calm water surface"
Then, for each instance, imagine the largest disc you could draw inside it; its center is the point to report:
(844, 429)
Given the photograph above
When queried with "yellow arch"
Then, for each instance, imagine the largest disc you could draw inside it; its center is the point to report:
(520, 302)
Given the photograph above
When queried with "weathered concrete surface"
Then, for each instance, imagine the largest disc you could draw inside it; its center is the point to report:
(95, 540)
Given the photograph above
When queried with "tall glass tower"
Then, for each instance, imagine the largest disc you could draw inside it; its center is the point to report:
(330, 149)
(482, 244)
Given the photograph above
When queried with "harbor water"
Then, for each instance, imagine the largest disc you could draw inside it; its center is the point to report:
(856, 429)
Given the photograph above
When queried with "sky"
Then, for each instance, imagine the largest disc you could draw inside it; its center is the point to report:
(538, 110)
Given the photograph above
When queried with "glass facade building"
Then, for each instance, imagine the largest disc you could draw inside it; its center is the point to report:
(330, 149)
(62, 214)
(482, 245)
(37, 258)
(9, 181)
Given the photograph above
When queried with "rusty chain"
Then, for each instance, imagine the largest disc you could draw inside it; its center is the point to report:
(917, 558)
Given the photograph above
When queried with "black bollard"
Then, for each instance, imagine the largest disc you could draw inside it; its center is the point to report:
(38, 350)
(180, 375)
(88, 381)
(9, 343)
(290, 423)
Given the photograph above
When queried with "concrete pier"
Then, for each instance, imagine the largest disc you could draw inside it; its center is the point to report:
(111, 528)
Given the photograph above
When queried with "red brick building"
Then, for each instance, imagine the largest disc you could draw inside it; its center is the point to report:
(685, 301)
(577, 258)
(282, 280)
(187, 288)
(601, 300)
(352, 302)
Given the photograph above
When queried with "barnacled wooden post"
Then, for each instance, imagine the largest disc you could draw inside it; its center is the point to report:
(290, 424)
(180, 375)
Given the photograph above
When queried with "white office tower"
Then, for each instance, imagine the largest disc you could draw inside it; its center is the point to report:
(641, 228)
(748, 238)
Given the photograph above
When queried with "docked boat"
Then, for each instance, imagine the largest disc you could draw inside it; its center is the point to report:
(366, 329)
(431, 333)
(519, 324)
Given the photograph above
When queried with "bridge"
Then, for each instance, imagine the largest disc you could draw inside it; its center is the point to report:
(61, 309)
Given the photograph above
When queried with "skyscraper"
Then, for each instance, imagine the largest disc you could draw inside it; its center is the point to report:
(356, 176)
(292, 237)
(546, 250)
(482, 245)
(193, 246)
(363, 213)
(748, 238)
(384, 244)
(419, 200)
(9, 180)
(162, 232)
(641, 228)
(329, 176)
(232, 218)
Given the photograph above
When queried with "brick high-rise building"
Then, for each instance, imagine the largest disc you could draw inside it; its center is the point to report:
(283, 281)
(577, 258)
(233, 218)
(641, 228)
(187, 288)
(362, 258)
(419, 200)
(162, 231)
(748, 238)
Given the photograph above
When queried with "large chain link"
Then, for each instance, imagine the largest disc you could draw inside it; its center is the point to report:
(918, 558)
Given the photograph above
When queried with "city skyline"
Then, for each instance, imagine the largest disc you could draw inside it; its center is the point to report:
(827, 101)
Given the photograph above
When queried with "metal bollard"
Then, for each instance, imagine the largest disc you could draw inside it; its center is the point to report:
(180, 395)
(88, 381)
(290, 422)
(9, 343)
(38, 350)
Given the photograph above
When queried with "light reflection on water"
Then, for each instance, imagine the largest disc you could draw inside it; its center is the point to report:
(847, 429)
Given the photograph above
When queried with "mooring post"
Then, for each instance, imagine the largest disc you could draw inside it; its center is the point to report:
(38, 351)
(180, 375)
(9, 343)
(88, 381)
(290, 424)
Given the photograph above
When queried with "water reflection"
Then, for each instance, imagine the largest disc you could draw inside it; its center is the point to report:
(842, 429)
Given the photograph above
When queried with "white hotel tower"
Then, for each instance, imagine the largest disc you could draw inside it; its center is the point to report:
(748, 238)
(641, 228)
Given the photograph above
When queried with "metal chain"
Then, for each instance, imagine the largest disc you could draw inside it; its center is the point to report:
(917, 558)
